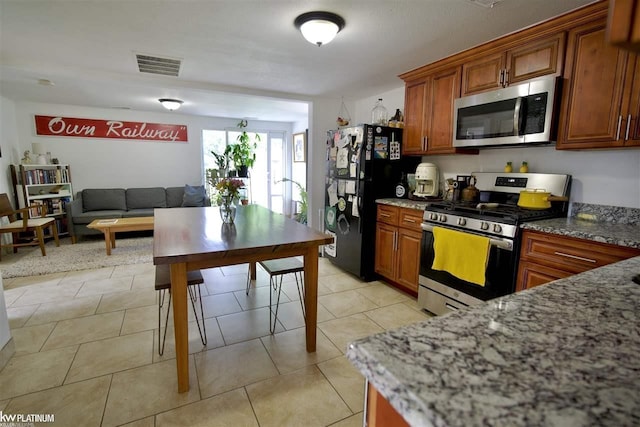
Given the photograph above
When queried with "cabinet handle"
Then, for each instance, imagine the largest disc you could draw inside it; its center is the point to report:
(424, 143)
(505, 81)
(385, 215)
(409, 220)
(619, 123)
(626, 134)
(579, 258)
(501, 78)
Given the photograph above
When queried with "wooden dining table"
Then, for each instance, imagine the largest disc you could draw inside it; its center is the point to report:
(195, 238)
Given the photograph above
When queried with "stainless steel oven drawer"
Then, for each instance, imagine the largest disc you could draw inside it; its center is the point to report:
(440, 299)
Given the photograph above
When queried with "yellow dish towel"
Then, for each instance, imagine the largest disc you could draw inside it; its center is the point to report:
(464, 255)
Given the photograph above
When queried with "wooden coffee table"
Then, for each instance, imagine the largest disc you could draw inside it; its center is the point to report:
(112, 226)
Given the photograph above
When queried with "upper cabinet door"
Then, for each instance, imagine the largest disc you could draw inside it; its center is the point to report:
(445, 87)
(624, 24)
(535, 58)
(416, 94)
(632, 130)
(594, 78)
(482, 74)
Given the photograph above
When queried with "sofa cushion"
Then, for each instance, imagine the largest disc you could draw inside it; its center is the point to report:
(131, 213)
(87, 217)
(174, 196)
(146, 198)
(98, 199)
(194, 195)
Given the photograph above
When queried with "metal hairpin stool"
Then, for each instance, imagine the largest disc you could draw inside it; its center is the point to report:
(163, 283)
(278, 268)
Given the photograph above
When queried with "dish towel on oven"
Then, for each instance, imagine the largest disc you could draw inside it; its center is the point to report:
(464, 255)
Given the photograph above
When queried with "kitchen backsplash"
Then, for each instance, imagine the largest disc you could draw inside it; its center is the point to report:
(604, 213)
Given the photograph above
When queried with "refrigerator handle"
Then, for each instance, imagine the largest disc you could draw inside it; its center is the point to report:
(359, 206)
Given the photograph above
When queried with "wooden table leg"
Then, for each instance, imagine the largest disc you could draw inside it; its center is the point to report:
(311, 296)
(113, 239)
(180, 324)
(252, 271)
(107, 240)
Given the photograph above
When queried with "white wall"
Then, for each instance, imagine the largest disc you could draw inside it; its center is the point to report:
(603, 177)
(104, 163)
(9, 154)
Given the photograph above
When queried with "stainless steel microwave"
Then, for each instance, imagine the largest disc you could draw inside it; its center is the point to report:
(518, 114)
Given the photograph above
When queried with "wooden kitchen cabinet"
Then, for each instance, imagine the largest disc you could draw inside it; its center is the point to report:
(490, 71)
(429, 113)
(546, 257)
(397, 252)
(379, 412)
(415, 98)
(623, 25)
(601, 95)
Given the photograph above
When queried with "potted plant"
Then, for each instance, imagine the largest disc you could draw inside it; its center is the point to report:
(243, 152)
(222, 162)
(301, 216)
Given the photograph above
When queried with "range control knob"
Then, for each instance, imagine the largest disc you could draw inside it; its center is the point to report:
(497, 228)
(484, 225)
(462, 221)
(433, 216)
(443, 218)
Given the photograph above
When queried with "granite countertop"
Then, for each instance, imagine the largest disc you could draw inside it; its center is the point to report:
(605, 232)
(404, 203)
(561, 354)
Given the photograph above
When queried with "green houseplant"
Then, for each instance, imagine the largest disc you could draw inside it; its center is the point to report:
(243, 152)
(301, 216)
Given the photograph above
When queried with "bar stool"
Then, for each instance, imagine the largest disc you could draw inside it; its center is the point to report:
(163, 283)
(277, 268)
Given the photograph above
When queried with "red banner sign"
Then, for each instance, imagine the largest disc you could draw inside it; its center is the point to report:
(93, 128)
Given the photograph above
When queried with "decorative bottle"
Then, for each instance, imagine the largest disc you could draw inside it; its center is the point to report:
(379, 114)
(508, 168)
(524, 168)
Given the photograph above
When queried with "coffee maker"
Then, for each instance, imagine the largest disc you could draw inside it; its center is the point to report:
(427, 183)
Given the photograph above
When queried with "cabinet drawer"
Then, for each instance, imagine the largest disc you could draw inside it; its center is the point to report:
(410, 218)
(571, 254)
(388, 214)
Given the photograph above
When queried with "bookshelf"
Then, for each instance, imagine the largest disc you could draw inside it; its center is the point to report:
(44, 185)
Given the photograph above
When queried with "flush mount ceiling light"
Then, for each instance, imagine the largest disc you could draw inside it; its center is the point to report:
(319, 27)
(170, 104)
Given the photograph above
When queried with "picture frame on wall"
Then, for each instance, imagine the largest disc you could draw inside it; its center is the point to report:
(299, 147)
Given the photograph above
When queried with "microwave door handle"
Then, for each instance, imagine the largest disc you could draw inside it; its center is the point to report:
(516, 116)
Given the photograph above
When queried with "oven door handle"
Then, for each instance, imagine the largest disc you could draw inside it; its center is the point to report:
(500, 243)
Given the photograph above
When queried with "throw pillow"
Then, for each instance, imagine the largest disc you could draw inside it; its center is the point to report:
(193, 196)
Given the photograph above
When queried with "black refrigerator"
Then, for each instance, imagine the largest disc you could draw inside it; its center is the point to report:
(364, 163)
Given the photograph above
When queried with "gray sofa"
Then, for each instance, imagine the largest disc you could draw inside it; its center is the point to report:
(105, 203)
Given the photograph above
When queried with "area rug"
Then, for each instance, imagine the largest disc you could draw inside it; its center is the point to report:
(86, 254)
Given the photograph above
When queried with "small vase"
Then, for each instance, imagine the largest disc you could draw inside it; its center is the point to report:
(228, 213)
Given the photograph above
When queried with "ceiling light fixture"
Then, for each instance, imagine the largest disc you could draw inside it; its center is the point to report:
(319, 27)
(170, 104)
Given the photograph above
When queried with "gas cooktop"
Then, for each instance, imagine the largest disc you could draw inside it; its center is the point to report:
(508, 213)
(500, 215)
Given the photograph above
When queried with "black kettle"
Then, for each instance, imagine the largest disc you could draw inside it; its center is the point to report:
(470, 193)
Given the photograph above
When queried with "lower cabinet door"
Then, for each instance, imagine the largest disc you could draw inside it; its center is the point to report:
(531, 275)
(385, 250)
(408, 258)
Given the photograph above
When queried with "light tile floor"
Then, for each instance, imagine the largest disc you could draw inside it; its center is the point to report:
(86, 350)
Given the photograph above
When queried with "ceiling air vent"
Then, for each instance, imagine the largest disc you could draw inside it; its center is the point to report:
(157, 65)
(485, 3)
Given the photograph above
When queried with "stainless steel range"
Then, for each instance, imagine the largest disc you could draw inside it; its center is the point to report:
(496, 217)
